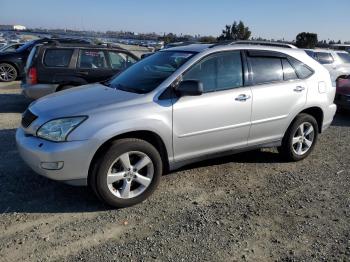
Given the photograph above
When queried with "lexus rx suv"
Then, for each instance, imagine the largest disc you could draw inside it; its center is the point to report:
(175, 107)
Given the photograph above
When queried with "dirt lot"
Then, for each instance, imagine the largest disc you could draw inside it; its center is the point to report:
(247, 207)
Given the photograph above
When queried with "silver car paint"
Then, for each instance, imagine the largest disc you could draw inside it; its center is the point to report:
(190, 127)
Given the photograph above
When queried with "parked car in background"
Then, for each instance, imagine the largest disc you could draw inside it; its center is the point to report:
(55, 67)
(342, 97)
(177, 106)
(336, 62)
(12, 63)
(10, 47)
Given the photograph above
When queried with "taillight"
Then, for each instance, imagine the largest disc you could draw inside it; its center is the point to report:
(32, 77)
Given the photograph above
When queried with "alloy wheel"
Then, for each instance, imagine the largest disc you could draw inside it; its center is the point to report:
(130, 175)
(7, 73)
(303, 138)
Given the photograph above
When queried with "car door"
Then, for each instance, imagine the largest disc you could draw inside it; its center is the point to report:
(92, 65)
(278, 93)
(219, 119)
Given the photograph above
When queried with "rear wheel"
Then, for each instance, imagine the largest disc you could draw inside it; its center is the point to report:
(300, 138)
(8, 72)
(127, 173)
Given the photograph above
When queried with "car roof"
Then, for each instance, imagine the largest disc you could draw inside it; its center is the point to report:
(216, 47)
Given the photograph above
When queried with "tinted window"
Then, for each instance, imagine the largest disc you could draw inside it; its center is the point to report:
(149, 73)
(288, 70)
(302, 70)
(58, 57)
(91, 59)
(218, 72)
(120, 61)
(345, 57)
(266, 69)
(310, 53)
(324, 58)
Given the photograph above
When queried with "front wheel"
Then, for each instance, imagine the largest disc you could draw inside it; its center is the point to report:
(127, 173)
(300, 138)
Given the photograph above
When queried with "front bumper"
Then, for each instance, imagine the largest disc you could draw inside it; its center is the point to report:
(343, 101)
(38, 90)
(75, 155)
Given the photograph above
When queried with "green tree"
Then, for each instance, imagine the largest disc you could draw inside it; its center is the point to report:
(306, 40)
(236, 31)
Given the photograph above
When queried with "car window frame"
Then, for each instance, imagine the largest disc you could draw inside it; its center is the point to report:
(108, 67)
(244, 70)
(119, 51)
(56, 48)
(277, 55)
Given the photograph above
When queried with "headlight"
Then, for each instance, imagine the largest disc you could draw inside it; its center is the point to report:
(58, 129)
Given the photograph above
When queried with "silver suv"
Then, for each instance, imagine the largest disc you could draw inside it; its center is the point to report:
(336, 62)
(175, 107)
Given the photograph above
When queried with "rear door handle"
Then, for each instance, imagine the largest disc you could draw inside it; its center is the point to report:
(299, 89)
(242, 97)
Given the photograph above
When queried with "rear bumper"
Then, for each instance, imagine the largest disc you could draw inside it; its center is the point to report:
(38, 90)
(342, 101)
(329, 114)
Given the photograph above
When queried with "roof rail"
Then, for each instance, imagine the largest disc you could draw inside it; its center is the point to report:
(252, 42)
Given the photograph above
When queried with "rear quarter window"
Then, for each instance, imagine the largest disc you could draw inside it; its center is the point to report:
(58, 57)
(301, 69)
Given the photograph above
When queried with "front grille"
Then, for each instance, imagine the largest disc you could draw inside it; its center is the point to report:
(27, 118)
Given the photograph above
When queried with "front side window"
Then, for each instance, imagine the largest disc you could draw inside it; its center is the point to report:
(265, 69)
(147, 74)
(120, 61)
(57, 57)
(218, 72)
(92, 59)
(324, 58)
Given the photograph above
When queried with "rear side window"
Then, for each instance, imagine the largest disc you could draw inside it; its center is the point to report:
(218, 72)
(288, 70)
(324, 58)
(92, 59)
(301, 69)
(266, 69)
(58, 57)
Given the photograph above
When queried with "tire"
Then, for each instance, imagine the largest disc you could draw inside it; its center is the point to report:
(125, 188)
(296, 143)
(8, 72)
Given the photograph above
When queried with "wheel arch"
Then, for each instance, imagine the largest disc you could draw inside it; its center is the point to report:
(149, 136)
(314, 111)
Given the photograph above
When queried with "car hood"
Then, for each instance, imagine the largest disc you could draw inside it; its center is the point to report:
(82, 100)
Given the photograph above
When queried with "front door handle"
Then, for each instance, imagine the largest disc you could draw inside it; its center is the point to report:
(299, 89)
(84, 72)
(242, 97)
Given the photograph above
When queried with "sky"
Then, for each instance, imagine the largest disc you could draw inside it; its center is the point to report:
(271, 19)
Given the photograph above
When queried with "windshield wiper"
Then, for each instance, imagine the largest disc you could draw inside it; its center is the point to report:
(130, 89)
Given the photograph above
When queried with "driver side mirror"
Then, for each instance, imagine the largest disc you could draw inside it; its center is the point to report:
(189, 88)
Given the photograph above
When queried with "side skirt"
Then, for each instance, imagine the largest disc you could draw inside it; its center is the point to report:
(177, 164)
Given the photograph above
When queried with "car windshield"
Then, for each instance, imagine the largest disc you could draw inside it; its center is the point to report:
(147, 74)
(344, 57)
(25, 46)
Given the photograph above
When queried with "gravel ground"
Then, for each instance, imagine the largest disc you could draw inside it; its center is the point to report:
(246, 207)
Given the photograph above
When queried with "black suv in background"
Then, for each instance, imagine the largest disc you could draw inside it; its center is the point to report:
(55, 67)
(12, 63)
